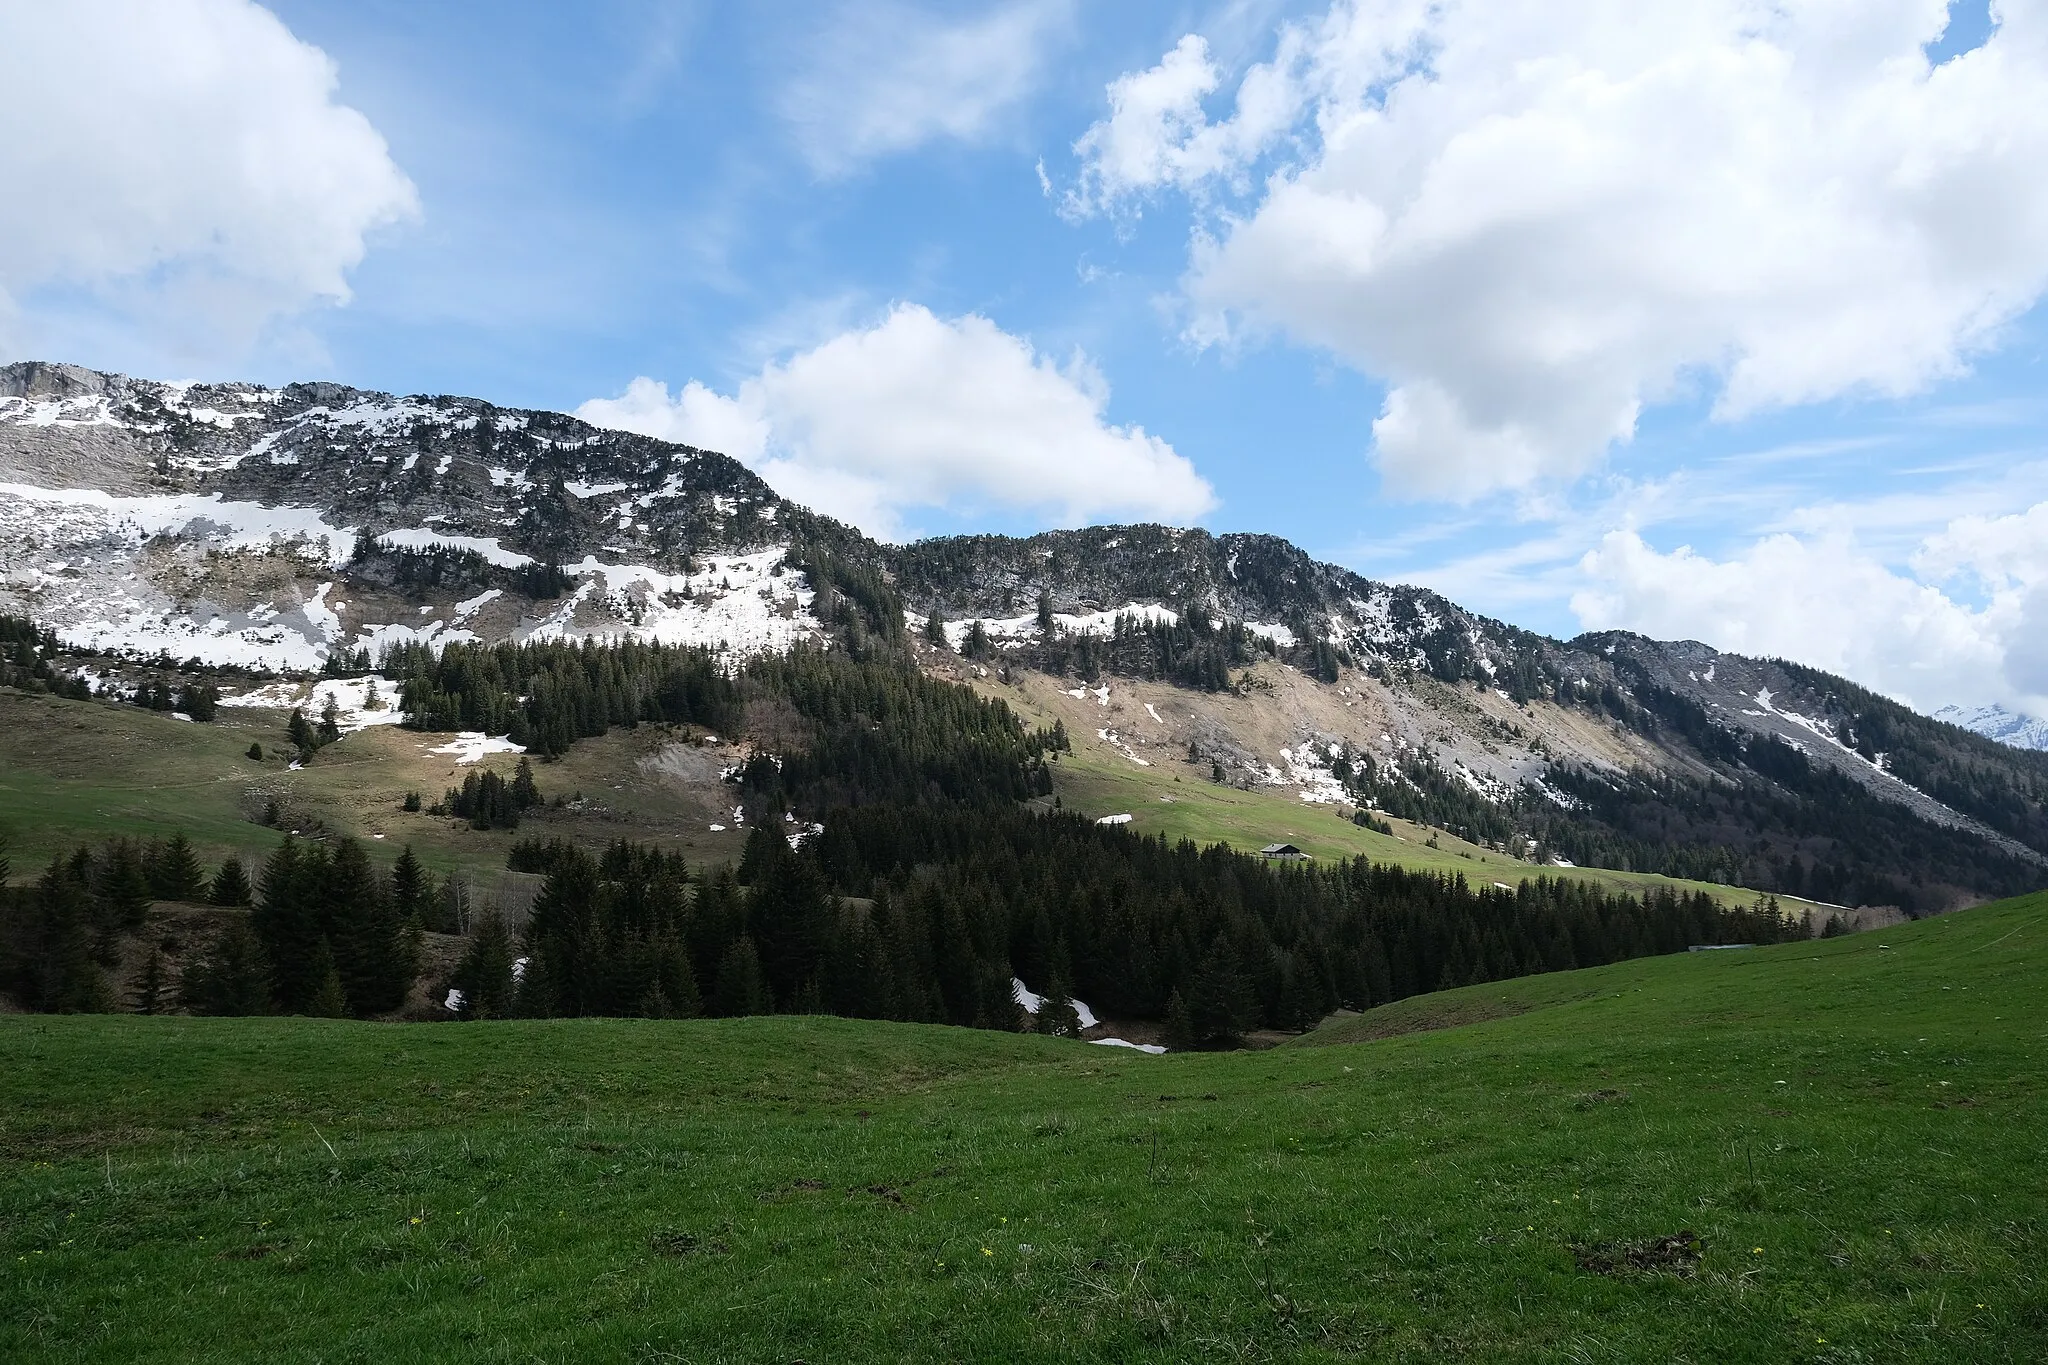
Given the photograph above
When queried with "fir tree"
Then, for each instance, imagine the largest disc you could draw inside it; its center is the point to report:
(330, 721)
(256, 752)
(935, 630)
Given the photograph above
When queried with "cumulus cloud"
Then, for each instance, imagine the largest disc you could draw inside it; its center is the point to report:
(179, 168)
(888, 77)
(922, 411)
(1963, 623)
(1532, 219)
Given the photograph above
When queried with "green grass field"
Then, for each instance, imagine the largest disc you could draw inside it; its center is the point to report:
(1827, 1151)
(1095, 782)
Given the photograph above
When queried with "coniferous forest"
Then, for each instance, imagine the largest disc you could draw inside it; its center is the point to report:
(896, 869)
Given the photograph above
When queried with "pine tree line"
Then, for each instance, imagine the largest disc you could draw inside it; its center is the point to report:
(926, 915)
(322, 932)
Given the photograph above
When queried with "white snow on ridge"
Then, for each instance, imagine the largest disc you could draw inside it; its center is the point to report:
(1277, 633)
(1122, 746)
(1101, 623)
(737, 603)
(491, 550)
(55, 517)
(86, 410)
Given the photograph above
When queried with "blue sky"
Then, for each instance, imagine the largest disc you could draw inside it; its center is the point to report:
(1702, 324)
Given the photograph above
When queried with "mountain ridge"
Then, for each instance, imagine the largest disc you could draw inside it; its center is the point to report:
(302, 526)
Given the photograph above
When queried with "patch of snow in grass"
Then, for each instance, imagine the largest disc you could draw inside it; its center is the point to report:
(470, 746)
(1114, 741)
(351, 698)
(1123, 818)
(1152, 1048)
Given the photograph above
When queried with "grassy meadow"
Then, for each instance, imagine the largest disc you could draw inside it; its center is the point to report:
(1178, 801)
(1827, 1151)
(75, 772)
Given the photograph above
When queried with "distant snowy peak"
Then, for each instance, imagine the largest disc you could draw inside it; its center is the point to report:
(1995, 722)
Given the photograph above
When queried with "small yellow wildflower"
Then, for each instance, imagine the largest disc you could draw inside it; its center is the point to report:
(986, 1252)
(1756, 1251)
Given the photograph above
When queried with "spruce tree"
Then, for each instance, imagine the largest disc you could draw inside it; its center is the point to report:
(151, 987)
(330, 722)
(328, 1000)
(232, 979)
(485, 974)
(787, 909)
(286, 920)
(300, 732)
(1179, 1033)
(173, 870)
(62, 975)
(120, 883)
(412, 888)
(230, 885)
(256, 751)
(740, 989)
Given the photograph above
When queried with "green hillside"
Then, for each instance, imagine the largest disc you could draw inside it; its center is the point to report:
(1824, 1151)
(1175, 801)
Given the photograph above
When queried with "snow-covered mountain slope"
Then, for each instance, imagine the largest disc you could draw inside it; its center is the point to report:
(277, 528)
(1995, 722)
(271, 527)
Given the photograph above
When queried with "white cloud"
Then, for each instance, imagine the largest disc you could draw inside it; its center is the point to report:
(921, 411)
(176, 169)
(1532, 219)
(1826, 600)
(887, 77)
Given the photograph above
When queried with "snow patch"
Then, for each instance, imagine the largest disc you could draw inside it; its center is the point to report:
(470, 746)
